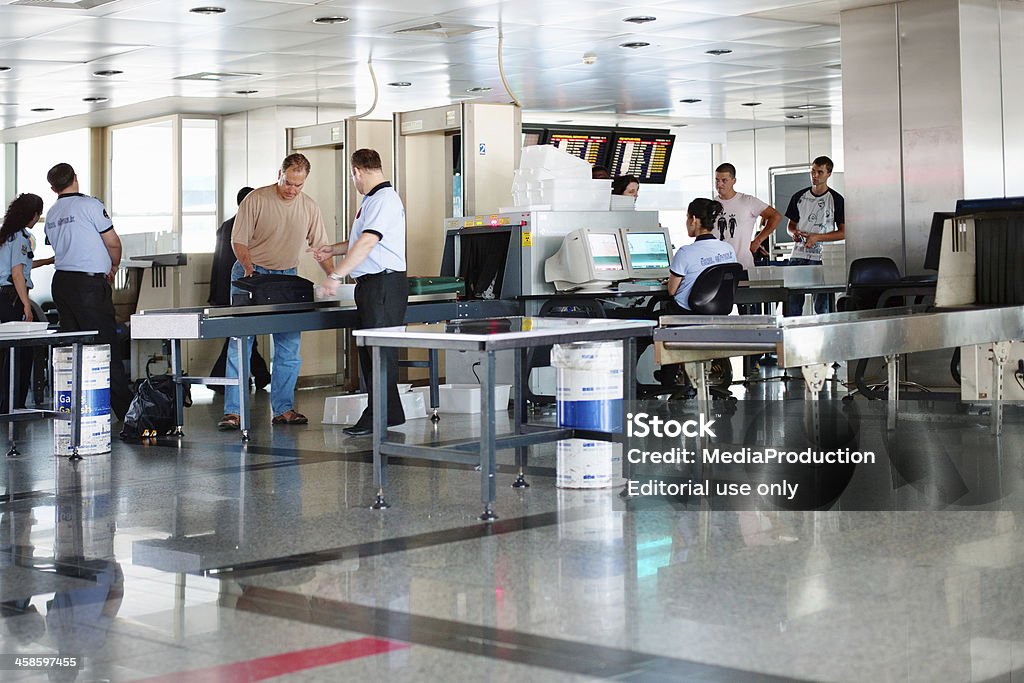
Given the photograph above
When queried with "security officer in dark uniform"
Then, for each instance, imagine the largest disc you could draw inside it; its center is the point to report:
(87, 253)
(375, 258)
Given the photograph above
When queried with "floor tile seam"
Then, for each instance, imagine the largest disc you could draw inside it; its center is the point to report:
(505, 644)
(397, 545)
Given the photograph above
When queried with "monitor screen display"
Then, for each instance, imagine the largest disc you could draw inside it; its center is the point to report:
(604, 250)
(592, 146)
(647, 250)
(643, 154)
(532, 137)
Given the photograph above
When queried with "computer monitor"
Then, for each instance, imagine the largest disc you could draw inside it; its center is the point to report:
(590, 144)
(648, 252)
(589, 258)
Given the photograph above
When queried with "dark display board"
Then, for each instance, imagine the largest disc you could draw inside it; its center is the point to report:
(590, 145)
(644, 154)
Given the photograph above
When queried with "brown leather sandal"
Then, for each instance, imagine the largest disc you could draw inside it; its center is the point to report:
(290, 418)
(229, 422)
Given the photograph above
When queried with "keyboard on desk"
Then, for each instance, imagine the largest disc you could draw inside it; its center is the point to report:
(642, 286)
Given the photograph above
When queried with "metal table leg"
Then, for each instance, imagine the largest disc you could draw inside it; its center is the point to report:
(243, 385)
(76, 400)
(1000, 355)
(179, 390)
(380, 425)
(12, 378)
(519, 416)
(893, 368)
(435, 394)
(488, 443)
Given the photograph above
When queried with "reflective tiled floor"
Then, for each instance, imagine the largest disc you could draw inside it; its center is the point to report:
(210, 561)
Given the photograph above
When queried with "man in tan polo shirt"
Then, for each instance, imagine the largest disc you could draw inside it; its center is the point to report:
(274, 226)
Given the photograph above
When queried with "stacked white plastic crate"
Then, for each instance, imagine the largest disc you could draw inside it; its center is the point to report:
(550, 179)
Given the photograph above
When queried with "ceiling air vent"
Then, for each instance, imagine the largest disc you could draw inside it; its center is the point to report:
(216, 76)
(439, 29)
(59, 4)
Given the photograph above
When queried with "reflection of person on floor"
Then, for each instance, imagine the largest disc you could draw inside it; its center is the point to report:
(22, 619)
(220, 295)
(78, 619)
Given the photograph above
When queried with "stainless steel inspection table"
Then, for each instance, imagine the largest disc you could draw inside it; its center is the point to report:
(489, 336)
(812, 342)
(14, 342)
(245, 322)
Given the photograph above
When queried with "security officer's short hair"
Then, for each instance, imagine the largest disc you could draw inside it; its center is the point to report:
(297, 161)
(60, 176)
(366, 160)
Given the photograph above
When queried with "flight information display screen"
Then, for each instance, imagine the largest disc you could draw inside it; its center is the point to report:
(590, 146)
(647, 250)
(645, 155)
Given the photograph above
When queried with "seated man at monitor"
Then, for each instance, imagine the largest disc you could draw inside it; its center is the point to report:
(692, 259)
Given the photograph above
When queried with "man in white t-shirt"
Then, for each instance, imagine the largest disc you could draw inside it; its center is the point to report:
(747, 222)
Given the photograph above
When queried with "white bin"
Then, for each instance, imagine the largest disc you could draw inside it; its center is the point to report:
(95, 435)
(346, 410)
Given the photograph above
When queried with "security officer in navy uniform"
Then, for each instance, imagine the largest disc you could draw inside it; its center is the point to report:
(87, 253)
(375, 258)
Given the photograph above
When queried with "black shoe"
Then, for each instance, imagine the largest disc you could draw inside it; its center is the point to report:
(365, 429)
(358, 430)
(262, 383)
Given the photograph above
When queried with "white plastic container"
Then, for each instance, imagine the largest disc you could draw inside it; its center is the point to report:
(568, 194)
(465, 398)
(581, 464)
(95, 435)
(347, 409)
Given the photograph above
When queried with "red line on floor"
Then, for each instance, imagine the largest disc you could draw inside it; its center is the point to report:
(285, 663)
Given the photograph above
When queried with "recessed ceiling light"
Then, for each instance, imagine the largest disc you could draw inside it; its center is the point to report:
(479, 88)
(336, 19)
(107, 72)
(5, 68)
(794, 116)
(96, 98)
(400, 84)
(691, 100)
(246, 92)
(750, 104)
(718, 52)
(42, 109)
(811, 106)
(642, 19)
(635, 45)
(208, 10)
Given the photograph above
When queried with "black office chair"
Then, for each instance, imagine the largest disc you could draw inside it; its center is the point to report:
(869, 277)
(713, 293)
(540, 356)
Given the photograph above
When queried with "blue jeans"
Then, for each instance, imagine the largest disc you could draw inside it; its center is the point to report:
(795, 305)
(284, 365)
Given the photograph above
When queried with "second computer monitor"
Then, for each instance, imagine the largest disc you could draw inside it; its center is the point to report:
(648, 252)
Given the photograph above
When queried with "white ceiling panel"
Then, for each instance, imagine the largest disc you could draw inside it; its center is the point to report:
(177, 11)
(23, 22)
(60, 51)
(780, 53)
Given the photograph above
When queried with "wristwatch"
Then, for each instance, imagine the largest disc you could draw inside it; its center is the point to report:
(336, 277)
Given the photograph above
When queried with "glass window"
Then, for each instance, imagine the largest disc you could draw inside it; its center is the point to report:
(142, 179)
(198, 185)
(36, 156)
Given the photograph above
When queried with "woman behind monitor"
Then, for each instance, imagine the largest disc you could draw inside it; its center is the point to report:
(705, 251)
